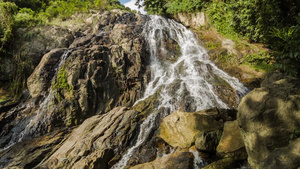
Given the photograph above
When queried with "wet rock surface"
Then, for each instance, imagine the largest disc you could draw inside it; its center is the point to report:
(81, 108)
(102, 69)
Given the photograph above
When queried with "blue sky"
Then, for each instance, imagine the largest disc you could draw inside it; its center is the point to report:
(124, 1)
(131, 4)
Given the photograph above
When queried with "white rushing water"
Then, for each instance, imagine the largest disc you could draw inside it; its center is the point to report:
(198, 161)
(189, 78)
(40, 115)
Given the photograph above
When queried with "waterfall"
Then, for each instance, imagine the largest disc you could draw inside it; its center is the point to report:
(198, 161)
(186, 78)
(31, 124)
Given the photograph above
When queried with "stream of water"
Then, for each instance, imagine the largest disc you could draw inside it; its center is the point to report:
(33, 123)
(185, 83)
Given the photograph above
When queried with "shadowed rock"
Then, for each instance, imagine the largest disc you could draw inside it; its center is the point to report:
(268, 117)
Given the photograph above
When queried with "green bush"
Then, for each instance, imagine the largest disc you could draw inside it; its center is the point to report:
(287, 49)
(26, 18)
(177, 6)
(154, 6)
(35, 5)
(7, 12)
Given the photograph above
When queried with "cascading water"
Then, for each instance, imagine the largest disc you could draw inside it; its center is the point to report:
(184, 83)
(34, 122)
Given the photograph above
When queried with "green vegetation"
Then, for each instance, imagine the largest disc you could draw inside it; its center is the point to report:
(62, 82)
(260, 61)
(275, 23)
(15, 14)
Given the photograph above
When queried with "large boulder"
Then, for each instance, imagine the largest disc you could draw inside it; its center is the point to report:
(180, 129)
(232, 143)
(269, 117)
(194, 20)
(177, 160)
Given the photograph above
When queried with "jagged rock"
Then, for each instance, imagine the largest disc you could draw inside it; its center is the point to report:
(97, 74)
(180, 129)
(96, 141)
(268, 117)
(229, 45)
(29, 153)
(91, 77)
(177, 160)
(232, 143)
(194, 20)
(38, 82)
(208, 141)
(168, 48)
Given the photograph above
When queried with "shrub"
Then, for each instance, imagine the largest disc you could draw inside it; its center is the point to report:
(287, 49)
(177, 6)
(26, 18)
(7, 12)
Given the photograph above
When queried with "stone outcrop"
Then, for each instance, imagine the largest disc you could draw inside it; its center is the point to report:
(178, 160)
(231, 143)
(29, 153)
(269, 118)
(97, 73)
(97, 141)
(194, 20)
(182, 129)
(106, 66)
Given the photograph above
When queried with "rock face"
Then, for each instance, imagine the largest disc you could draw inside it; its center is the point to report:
(80, 109)
(177, 160)
(106, 66)
(29, 153)
(268, 118)
(194, 20)
(96, 141)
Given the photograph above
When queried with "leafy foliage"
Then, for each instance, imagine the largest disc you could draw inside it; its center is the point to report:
(273, 22)
(177, 6)
(7, 12)
(287, 49)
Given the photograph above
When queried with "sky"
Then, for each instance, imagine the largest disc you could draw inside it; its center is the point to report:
(131, 5)
(124, 1)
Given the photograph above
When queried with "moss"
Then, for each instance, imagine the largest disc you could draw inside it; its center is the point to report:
(63, 89)
(61, 81)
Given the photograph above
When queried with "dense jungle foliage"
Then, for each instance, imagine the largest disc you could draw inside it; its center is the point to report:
(273, 22)
(20, 13)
